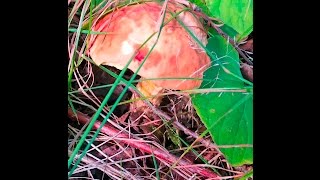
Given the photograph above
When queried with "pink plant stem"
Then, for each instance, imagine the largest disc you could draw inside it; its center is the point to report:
(145, 147)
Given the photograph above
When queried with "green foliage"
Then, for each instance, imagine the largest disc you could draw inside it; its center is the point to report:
(228, 116)
(95, 3)
(229, 31)
(238, 14)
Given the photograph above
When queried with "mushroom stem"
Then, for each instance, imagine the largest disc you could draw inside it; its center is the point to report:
(150, 91)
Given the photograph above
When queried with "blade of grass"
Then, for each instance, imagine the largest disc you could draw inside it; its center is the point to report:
(127, 84)
(73, 11)
(155, 166)
(95, 117)
(211, 55)
(117, 101)
(112, 108)
(194, 150)
(229, 89)
(84, 8)
(198, 155)
(119, 5)
(244, 99)
(71, 105)
(160, 153)
(85, 31)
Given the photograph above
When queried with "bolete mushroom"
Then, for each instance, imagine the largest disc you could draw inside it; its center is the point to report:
(176, 54)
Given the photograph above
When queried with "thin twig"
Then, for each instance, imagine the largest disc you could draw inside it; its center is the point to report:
(147, 148)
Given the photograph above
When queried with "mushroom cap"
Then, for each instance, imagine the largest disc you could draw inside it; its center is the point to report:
(176, 54)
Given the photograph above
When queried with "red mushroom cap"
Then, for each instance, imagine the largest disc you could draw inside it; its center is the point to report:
(176, 54)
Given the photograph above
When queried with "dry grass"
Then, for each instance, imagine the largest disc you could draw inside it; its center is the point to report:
(133, 145)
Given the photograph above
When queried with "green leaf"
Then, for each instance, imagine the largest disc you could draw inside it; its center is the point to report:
(228, 116)
(229, 31)
(95, 3)
(237, 14)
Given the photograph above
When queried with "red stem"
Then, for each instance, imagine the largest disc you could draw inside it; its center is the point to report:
(145, 147)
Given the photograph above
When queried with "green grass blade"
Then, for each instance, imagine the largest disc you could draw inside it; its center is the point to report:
(155, 166)
(76, 43)
(71, 105)
(86, 31)
(72, 13)
(111, 110)
(96, 115)
(211, 55)
(244, 99)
